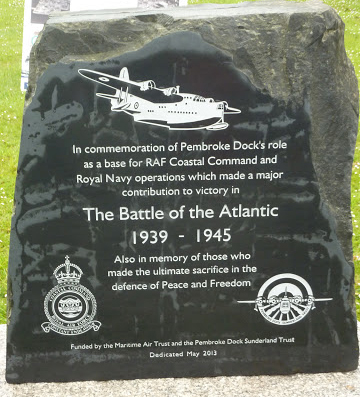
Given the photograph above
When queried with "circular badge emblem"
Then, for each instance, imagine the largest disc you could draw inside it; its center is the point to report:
(70, 309)
(69, 306)
(285, 299)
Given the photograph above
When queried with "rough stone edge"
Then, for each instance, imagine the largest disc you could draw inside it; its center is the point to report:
(344, 221)
(324, 167)
(165, 16)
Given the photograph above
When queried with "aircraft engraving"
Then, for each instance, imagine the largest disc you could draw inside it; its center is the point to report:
(166, 107)
(285, 299)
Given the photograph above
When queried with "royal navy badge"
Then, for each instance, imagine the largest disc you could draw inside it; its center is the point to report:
(69, 306)
(285, 299)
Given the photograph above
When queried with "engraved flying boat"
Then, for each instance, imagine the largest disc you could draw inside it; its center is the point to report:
(166, 107)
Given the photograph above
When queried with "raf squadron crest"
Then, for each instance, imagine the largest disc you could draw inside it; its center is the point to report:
(69, 307)
(285, 299)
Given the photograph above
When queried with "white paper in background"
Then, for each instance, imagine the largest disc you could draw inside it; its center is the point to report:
(36, 13)
(80, 5)
(30, 33)
(151, 4)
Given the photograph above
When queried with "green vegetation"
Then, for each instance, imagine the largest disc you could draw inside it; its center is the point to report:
(11, 108)
(349, 10)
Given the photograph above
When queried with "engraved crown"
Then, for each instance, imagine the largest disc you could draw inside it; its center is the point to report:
(68, 272)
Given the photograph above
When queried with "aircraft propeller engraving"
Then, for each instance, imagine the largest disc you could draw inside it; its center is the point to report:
(166, 107)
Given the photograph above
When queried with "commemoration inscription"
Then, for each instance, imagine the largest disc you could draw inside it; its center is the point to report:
(169, 223)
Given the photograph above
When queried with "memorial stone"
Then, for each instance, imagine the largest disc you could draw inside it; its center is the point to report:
(182, 202)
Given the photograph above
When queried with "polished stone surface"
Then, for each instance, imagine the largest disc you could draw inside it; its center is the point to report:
(257, 276)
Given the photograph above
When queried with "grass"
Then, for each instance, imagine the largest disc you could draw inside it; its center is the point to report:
(11, 108)
(349, 11)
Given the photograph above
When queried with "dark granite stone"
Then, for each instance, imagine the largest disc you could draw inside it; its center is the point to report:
(269, 98)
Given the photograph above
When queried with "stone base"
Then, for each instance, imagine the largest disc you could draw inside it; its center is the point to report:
(316, 385)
